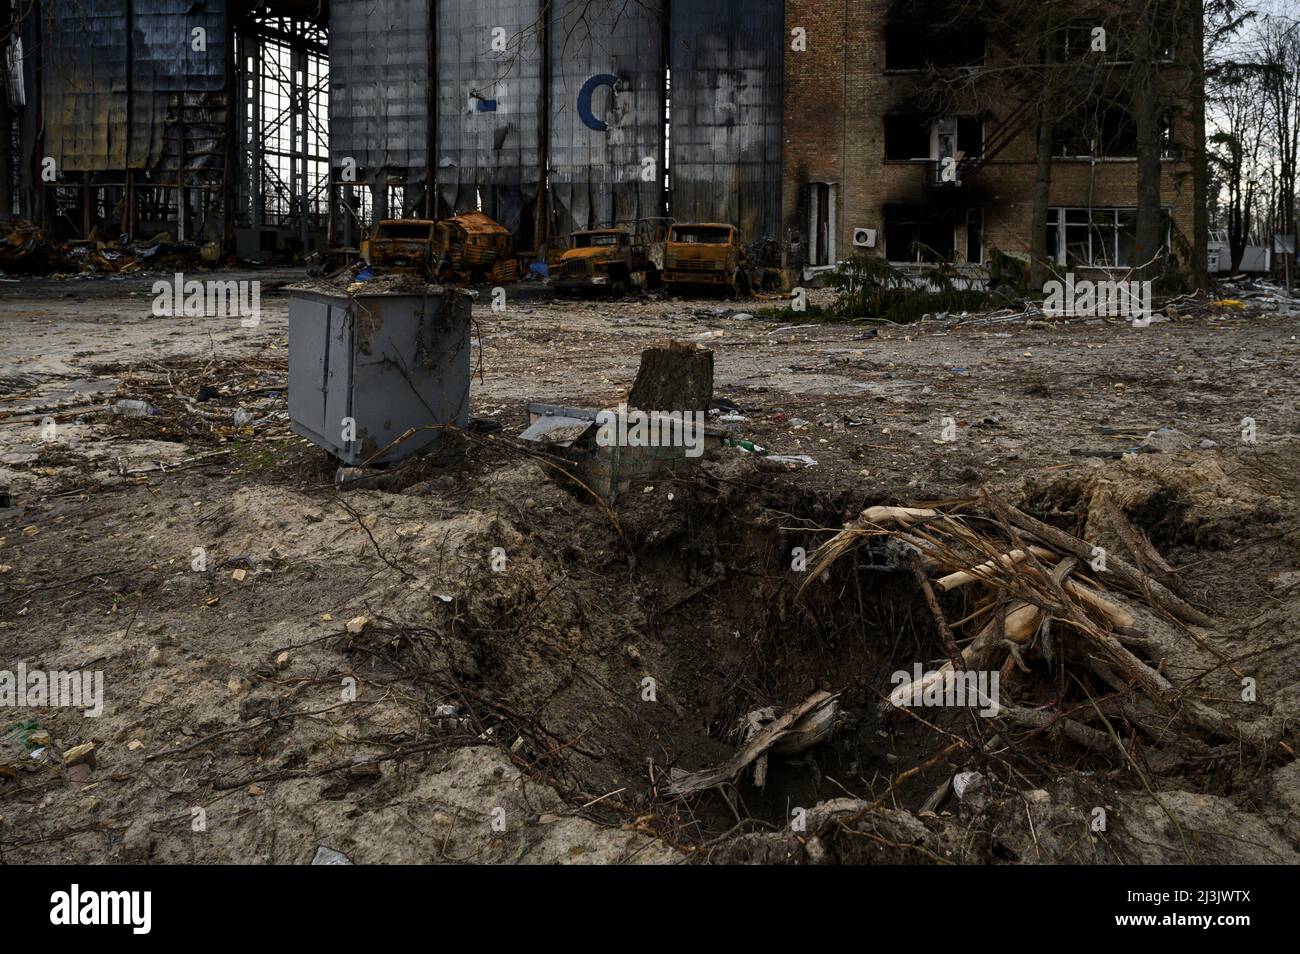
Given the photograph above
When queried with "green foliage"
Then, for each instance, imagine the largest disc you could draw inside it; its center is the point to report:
(872, 288)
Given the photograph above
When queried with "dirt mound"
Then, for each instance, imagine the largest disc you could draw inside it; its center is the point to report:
(380, 672)
(1204, 502)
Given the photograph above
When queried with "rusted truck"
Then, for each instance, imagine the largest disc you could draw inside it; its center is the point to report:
(612, 260)
(705, 254)
(472, 247)
(466, 249)
(401, 247)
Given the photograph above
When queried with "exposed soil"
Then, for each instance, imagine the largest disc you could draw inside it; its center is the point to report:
(244, 722)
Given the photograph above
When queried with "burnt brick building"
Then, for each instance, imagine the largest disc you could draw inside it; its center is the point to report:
(866, 137)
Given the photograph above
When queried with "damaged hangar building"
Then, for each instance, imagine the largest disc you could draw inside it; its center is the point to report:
(829, 127)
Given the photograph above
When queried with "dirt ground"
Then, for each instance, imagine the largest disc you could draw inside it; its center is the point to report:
(288, 667)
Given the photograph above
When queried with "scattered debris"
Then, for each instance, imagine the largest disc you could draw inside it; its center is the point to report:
(80, 753)
(964, 783)
(328, 856)
(801, 727)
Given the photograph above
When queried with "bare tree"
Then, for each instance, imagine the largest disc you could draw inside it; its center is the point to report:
(1030, 76)
(1279, 63)
(1236, 146)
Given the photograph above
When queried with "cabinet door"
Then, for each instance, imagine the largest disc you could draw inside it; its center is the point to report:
(338, 374)
(320, 369)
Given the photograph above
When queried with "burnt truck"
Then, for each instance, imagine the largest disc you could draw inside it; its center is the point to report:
(705, 254)
(610, 260)
(401, 246)
(465, 249)
(473, 247)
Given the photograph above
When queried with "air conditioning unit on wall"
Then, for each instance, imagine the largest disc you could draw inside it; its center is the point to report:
(864, 238)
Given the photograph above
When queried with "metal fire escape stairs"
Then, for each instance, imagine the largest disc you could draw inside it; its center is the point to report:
(995, 141)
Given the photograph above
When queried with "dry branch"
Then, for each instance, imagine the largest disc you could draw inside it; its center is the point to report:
(1117, 567)
(688, 783)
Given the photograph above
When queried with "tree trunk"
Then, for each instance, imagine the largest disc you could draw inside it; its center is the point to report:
(676, 378)
(1042, 198)
(1145, 101)
(1200, 161)
(1038, 267)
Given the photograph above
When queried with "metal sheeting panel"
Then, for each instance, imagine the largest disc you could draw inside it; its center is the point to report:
(379, 86)
(607, 112)
(115, 76)
(727, 60)
(165, 66)
(489, 108)
(84, 86)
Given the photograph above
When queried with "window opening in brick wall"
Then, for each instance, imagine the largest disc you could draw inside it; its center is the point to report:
(1097, 237)
(918, 234)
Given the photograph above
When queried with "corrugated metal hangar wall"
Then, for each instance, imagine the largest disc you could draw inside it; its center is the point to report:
(568, 95)
(727, 59)
(489, 66)
(118, 78)
(550, 115)
(379, 88)
(130, 99)
(607, 113)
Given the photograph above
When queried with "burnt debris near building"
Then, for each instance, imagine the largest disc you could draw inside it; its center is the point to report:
(891, 128)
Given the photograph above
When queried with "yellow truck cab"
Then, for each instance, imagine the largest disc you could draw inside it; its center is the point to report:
(607, 259)
(705, 253)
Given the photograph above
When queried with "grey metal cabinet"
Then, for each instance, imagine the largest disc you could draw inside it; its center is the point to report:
(366, 369)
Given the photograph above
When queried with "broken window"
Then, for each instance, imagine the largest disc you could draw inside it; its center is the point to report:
(975, 236)
(403, 231)
(1092, 38)
(1098, 237)
(1102, 132)
(1079, 39)
(919, 234)
(596, 239)
(907, 136)
(699, 235)
(970, 136)
(919, 46)
(916, 136)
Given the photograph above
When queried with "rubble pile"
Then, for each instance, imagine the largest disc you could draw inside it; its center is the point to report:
(27, 249)
(202, 402)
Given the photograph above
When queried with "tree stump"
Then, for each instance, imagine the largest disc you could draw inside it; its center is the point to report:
(676, 378)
